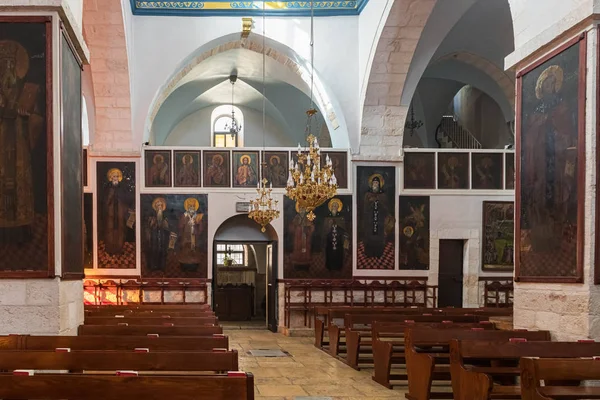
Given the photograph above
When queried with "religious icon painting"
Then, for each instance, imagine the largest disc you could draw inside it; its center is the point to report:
(88, 230)
(375, 187)
(187, 168)
(498, 247)
(245, 169)
(174, 235)
(453, 170)
(551, 166)
(414, 232)
(509, 171)
(487, 171)
(276, 168)
(158, 168)
(319, 249)
(26, 183)
(339, 162)
(115, 198)
(419, 170)
(216, 168)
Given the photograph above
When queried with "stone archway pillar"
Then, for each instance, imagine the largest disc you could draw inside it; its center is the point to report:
(570, 311)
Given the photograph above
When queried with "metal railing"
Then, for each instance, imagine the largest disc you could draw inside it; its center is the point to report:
(458, 135)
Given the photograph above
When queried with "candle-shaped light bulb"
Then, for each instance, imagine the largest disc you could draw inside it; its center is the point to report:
(312, 176)
(290, 181)
(308, 161)
(271, 185)
(301, 179)
(299, 149)
(333, 179)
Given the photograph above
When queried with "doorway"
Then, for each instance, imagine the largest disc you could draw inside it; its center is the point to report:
(450, 281)
(244, 279)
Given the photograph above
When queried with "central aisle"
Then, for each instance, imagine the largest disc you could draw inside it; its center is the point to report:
(307, 371)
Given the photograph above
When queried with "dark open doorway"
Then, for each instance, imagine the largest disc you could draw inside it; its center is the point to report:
(450, 282)
(244, 284)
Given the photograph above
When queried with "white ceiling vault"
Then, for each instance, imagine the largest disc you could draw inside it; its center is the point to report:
(207, 85)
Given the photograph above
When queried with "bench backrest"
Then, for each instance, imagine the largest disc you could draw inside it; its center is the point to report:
(431, 337)
(162, 307)
(534, 370)
(397, 329)
(138, 330)
(27, 342)
(350, 320)
(104, 387)
(490, 349)
(94, 360)
(151, 321)
(146, 314)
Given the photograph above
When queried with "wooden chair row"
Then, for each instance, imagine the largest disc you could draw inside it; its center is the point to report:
(141, 330)
(158, 320)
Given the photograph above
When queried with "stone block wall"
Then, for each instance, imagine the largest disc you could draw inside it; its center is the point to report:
(40, 306)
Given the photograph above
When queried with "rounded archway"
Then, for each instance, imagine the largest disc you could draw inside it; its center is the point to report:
(197, 75)
(241, 228)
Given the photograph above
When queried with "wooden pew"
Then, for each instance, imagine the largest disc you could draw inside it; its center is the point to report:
(146, 314)
(236, 385)
(358, 330)
(501, 359)
(192, 343)
(555, 372)
(140, 330)
(175, 321)
(147, 307)
(388, 344)
(93, 360)
(424, 366)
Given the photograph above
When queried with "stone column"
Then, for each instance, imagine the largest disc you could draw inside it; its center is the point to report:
(568, 310)
(50, 305)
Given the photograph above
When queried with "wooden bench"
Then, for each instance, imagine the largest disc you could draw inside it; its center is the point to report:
(357, 330)
(216, 360)
(388, 345)
(423, 365)
(493, 359)
(554, 372)
(161, 307)
(140, 330)
(171, 321)
(27, 342)
(151, 313)
(237, 385)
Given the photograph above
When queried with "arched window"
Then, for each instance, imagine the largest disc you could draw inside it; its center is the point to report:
(221, 124)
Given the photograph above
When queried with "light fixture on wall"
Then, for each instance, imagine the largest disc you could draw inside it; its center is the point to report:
(309, 183)
(413, 124)
(263, 209)
(234, 128)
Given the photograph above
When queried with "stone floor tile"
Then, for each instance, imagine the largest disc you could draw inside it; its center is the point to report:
(281, 390)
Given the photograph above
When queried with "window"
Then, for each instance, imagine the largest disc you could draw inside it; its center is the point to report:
(220, 124)
(235, 251)
(223, 138)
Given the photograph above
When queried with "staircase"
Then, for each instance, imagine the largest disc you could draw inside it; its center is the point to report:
(451, 134)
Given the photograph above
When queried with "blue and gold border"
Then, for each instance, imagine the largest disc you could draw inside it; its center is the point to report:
(201, 8)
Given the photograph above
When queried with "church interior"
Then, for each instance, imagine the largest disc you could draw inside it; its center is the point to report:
(362, 199)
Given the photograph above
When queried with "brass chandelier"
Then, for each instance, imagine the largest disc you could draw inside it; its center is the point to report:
(263, 209)
(311, 184)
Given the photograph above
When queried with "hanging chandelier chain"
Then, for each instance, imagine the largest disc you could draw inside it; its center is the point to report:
(312, 50)
(263, 76)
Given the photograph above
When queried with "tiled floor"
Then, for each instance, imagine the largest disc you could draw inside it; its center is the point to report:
(307, 372)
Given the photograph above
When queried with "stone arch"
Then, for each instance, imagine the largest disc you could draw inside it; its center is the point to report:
(285, 56)
(104, 33)
(502, 78)
(383, 115)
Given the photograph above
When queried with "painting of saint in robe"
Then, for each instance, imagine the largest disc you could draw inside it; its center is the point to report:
(21, 124)
(414, 232)
(378, 217)
(246, 169)
(191, 229)
(157, 236)
(339, 164)
(117, 212)
(453, 171)
(337, 238)
(187, 168)
(303, 231)
(419, 170)
(549, 157)
(216, 169)
(276, 169)
(487, 171)
(158, 168)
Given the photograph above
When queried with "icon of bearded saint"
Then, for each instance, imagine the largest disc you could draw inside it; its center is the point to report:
(20, 126)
